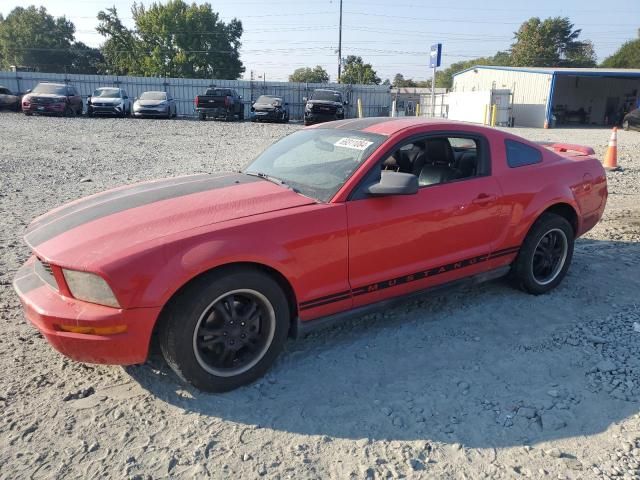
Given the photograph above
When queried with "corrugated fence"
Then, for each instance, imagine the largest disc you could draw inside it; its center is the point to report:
(376, 99)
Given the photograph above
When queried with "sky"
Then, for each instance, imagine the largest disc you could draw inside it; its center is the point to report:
(282, 35)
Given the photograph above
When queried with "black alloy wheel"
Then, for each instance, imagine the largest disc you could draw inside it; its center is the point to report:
(549, 256)
(234, 333)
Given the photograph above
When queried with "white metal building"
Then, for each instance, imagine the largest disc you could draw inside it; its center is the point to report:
(546, 97)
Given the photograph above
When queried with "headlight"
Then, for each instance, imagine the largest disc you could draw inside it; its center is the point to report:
(90, 288)
(308, 107)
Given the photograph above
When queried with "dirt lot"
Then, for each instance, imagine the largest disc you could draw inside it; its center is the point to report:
(481, 383)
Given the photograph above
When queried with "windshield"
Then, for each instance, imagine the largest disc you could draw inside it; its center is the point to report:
(268, 100)
(49, 88)
(316, 162)
(153, 96)
(327, 95)
(107, 93)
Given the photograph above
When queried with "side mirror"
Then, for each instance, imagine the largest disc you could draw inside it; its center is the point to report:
(394, 183)
(28, 90)
(305, 99)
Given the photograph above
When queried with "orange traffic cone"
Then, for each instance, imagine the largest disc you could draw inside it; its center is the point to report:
(611, 157)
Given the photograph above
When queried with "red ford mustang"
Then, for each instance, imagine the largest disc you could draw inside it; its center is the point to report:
(328, 222)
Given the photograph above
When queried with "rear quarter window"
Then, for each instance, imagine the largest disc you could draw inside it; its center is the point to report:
(520, 155)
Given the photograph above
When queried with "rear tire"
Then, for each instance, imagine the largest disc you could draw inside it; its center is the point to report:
(545, 255)
(200, 337)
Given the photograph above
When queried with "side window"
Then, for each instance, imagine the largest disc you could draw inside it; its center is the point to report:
(520, 155)
(4, 91)
(436, 160)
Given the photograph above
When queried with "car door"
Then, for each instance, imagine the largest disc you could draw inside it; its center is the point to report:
(399, 244)
(74, 99)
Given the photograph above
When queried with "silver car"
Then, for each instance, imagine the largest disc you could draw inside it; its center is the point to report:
(155, 104)
(109, 101)
(9, 100)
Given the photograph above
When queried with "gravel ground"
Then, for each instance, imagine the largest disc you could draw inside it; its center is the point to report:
(480, 383)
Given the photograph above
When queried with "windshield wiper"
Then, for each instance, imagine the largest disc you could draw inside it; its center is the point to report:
(272, 179)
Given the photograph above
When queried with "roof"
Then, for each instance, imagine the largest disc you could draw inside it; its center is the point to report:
(586, 72)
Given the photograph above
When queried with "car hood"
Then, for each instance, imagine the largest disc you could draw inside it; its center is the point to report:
(94, 230)
(55, 96)
(109, 100)
(150, 103)
(264, 107)
(324, 102)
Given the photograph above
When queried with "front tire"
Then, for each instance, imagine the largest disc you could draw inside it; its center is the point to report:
(225, 329)
(545, 255)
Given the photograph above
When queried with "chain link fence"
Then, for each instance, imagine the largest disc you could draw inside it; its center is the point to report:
(376, 99)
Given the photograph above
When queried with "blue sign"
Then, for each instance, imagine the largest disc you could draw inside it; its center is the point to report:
(435, 56)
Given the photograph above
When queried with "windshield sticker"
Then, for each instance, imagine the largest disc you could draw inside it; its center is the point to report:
(353, 143)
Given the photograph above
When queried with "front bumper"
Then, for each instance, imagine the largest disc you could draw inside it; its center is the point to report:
(313, 117)
(104, 110)
(269, 115)
(45, 108)
(47, 310)
(151, 112)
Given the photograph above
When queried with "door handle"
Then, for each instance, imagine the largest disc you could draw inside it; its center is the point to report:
(484, 199)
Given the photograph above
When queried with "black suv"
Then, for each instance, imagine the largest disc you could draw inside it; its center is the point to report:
(324, 106)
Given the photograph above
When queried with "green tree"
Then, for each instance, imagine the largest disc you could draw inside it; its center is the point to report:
(31, 37)
(627, 56)
(552, 42)
(399, 81)
(309, 75)
(173, 39)
(85, 59)
(121, 50)
(358, 72)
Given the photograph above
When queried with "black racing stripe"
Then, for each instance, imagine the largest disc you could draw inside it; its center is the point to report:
(431, 272)
(505, 252)
(326, 297)
(112, 195)
(125, 202)
(326, 302)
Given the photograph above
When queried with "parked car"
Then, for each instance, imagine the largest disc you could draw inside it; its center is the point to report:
(109, 101)
(323, 106)
(58, 98)
(268, 108)
(632, 120)
(331, 221)
(219, 103)
(9, 100)
(155, 104)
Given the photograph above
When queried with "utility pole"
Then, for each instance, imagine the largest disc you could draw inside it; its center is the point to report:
(340, 44)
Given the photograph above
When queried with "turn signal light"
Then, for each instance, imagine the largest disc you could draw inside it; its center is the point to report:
(94, 330)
